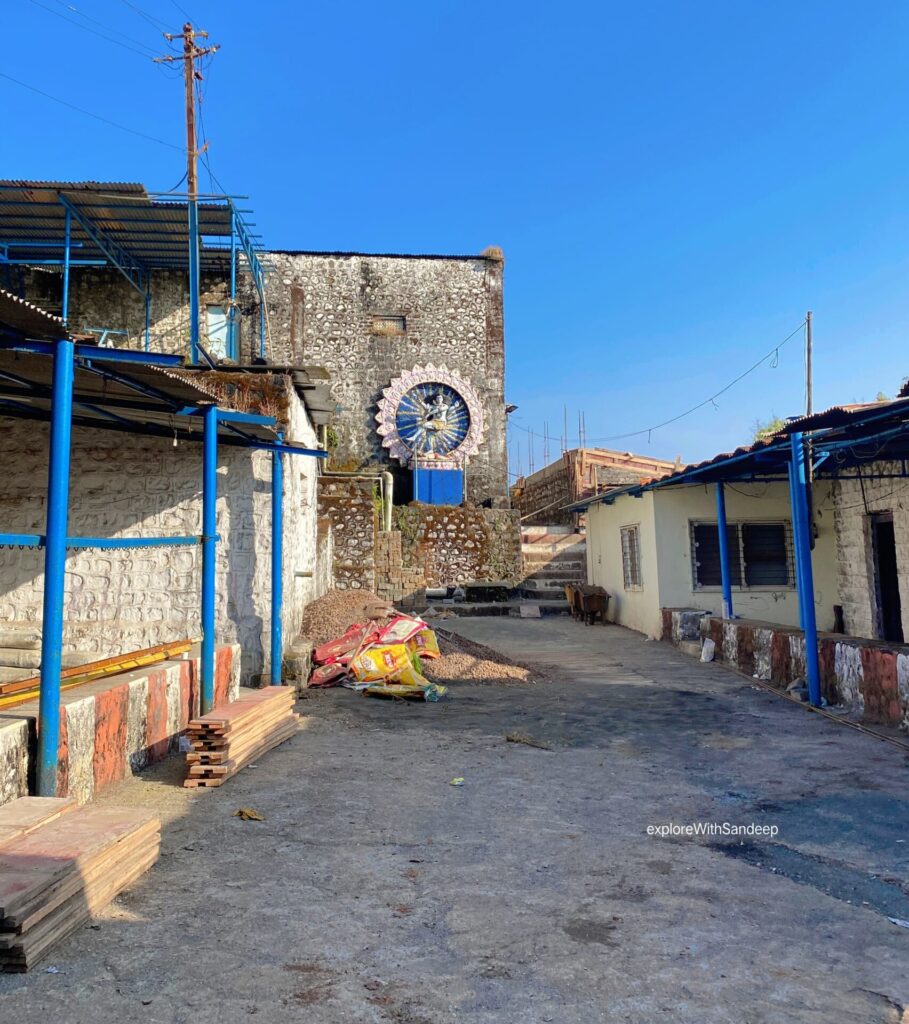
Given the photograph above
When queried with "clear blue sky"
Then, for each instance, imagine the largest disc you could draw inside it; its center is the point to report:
(673, 184)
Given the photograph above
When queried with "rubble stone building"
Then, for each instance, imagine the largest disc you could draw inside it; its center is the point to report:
(543, 497)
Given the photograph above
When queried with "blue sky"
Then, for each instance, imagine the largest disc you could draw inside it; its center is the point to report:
(674, 184)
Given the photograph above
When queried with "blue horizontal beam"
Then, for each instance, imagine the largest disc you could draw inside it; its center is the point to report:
(51, 263)
(93, 352)
(22, 540)
(108, 543)
(231, 416)
(290, 449)
(36, 540)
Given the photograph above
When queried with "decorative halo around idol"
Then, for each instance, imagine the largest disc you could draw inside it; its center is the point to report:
(430, 417)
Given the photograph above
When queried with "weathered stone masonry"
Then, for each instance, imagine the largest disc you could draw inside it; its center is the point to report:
(321, 310)
(854, 501)
(124, 485)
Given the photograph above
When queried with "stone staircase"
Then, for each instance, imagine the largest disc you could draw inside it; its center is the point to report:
(553, 556)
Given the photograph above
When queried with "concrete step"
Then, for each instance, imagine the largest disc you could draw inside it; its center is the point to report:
(512, 608)
(559, 572)
(550, 586)
(539, 531)
(545, 553)
(21, 657)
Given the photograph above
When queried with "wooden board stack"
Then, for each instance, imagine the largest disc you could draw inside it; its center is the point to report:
(230, 737)
(60, 865)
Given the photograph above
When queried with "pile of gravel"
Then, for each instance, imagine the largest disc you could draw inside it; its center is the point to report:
(463, 661)
(332, 615)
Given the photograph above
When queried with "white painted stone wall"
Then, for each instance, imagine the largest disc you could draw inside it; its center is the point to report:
(853, 501)
(128, 486)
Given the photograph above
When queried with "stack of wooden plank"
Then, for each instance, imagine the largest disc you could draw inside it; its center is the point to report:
(230, 737)
(60, 865)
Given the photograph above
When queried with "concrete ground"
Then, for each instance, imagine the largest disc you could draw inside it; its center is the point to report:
(376, 891)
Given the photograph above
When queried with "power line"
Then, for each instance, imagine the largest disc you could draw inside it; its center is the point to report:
(94, 32)
(94, 21)
(88, 113)
(773, 353)
(182, 10)
(150, 18)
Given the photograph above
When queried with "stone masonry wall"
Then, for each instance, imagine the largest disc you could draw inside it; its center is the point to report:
(443, 545)
(868, 677)
(321, 309)
(348, 504)
(853, 501)
(101, 297)
(123, 485)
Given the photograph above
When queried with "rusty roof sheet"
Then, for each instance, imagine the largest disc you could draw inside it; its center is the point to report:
(29, 320)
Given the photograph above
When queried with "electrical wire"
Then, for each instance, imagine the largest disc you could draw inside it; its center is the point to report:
(182, 10)
(88, 113)
(150, 18)
(102, 35)
(94, 21)
(772, 354)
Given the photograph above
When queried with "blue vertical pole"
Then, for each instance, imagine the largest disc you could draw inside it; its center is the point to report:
(277, 565)
(148, 313)
(193, 280)
(232, 308)
(209, 526)
(800, 530)
(55, 567)
(799, 558)
(261, 280)
(67, 246)
(724, 550)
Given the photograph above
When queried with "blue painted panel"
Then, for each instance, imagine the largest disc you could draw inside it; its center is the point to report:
(439, 486)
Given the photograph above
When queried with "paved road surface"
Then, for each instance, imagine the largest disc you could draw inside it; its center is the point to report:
(375, 891)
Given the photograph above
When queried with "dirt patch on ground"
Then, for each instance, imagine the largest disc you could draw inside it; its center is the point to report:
(464, 661)
(331, 615)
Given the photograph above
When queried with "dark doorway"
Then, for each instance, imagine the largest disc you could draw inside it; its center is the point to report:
(886, 578)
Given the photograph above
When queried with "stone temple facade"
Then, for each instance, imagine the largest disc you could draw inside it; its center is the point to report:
(369, 318)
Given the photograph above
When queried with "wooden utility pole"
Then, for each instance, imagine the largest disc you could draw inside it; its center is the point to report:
(191, 75)
(809, 383)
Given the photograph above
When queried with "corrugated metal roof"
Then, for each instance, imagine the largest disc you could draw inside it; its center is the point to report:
(29, 320)
(154, 232)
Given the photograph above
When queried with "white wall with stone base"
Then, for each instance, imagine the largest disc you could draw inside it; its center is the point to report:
(123, 485)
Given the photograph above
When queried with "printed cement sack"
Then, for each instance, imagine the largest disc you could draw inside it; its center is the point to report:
(425, 644)
(401, 629)
(379, 662)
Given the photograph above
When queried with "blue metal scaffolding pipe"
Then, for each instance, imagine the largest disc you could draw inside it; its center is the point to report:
(724, 550)
(232, 308)
(193, 281)
(209, 524)
(55, 567)
(148, 314)
(797, 548)
(277, 565)
(67, 245)
(800, 530)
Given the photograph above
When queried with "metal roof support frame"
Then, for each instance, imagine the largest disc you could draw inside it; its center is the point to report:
(67, 244)
(804, 571)
(54, 567)
(724, 550)
(209, 552)
(193, 215)
(130, 268)
(277, 565)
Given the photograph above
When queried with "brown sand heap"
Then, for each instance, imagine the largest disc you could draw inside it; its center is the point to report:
(331, 615)
(464, 661)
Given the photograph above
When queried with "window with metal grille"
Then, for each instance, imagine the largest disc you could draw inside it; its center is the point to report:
(760, 555)
(384, 326)
(631, 557)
